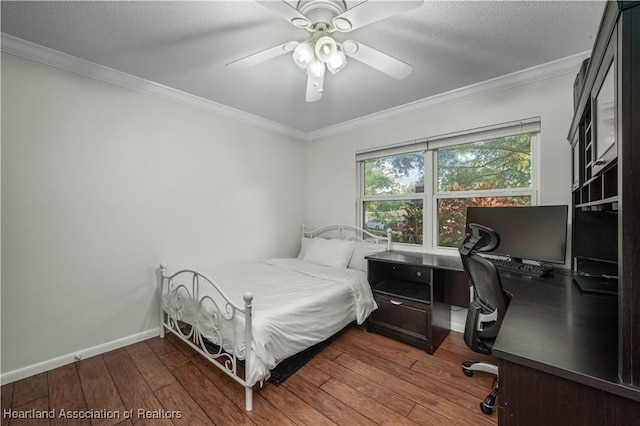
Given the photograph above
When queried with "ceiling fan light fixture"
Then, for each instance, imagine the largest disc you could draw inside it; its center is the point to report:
(321, 19)
(316, 68)
(303, 55)
(336, 62)
(326, 47)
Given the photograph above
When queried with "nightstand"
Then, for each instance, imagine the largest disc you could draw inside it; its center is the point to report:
(410, 297)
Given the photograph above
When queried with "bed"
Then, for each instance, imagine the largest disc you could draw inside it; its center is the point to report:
(248, 319)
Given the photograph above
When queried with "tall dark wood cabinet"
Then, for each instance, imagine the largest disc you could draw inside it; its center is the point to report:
(605, 139)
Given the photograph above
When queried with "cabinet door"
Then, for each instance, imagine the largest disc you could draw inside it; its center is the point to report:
(576, 164)
(604, 112)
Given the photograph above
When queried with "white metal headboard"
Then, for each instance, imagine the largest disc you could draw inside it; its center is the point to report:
(347, 232)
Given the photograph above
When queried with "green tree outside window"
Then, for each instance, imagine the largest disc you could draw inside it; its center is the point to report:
(469, 174)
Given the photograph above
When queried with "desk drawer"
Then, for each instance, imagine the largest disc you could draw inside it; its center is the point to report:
(380, 271)
(407, 315)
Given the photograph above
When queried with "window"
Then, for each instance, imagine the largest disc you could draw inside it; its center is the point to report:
(393, 196)
(433, 181)
(489, 173)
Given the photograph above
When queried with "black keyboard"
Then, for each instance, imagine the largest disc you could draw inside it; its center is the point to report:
(521, 268)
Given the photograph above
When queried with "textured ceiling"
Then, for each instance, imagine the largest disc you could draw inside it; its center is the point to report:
(185, 45)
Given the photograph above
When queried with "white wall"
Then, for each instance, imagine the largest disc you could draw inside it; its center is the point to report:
(331, 166)
(100, 184)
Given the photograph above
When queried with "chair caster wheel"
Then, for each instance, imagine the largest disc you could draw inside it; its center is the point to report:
(465, 368)
(487, 405)
(485, 409)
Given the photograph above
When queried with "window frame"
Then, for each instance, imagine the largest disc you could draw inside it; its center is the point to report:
(431, 195)
(531, 191)
(362, 198)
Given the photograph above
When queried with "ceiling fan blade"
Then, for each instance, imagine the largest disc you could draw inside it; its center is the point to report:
(371, 11)
(286, 11)
(262, 56)
(376, 59)
(315, 87)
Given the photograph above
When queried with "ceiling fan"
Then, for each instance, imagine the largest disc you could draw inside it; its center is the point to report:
(321, 51)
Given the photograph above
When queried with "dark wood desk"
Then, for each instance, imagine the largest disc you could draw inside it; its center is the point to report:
(558, 356)
(551, 325)
(557, 348)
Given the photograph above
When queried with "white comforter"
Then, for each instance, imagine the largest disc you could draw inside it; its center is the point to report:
(295, 305)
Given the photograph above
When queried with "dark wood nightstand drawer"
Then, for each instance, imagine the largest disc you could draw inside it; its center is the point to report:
(407, 315)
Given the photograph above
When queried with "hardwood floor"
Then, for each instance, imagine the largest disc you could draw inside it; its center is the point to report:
(359, 379)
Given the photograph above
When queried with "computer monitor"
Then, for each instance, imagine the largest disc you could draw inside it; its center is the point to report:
(536, 233)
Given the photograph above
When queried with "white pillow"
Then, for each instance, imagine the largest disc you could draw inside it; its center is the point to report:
(304, 246)
(361, 250)
(329, 252)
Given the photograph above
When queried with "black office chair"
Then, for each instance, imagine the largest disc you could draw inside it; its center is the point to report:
(488, 305)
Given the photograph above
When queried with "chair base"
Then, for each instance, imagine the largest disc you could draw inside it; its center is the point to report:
(468, 367)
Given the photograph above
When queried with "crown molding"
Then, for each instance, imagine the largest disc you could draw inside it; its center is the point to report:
(55, 58)
(570, 64)
(45, 55)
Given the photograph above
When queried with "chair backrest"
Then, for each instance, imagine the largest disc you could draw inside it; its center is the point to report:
(489, 298)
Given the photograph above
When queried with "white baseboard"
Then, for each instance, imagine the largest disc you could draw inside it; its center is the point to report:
(21, 373)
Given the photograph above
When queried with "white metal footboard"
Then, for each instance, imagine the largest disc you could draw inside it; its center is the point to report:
(186, 310)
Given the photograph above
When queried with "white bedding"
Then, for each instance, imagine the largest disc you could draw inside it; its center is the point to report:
(295, 305)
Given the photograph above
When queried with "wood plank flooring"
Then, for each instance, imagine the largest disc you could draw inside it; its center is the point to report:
(361, 378)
